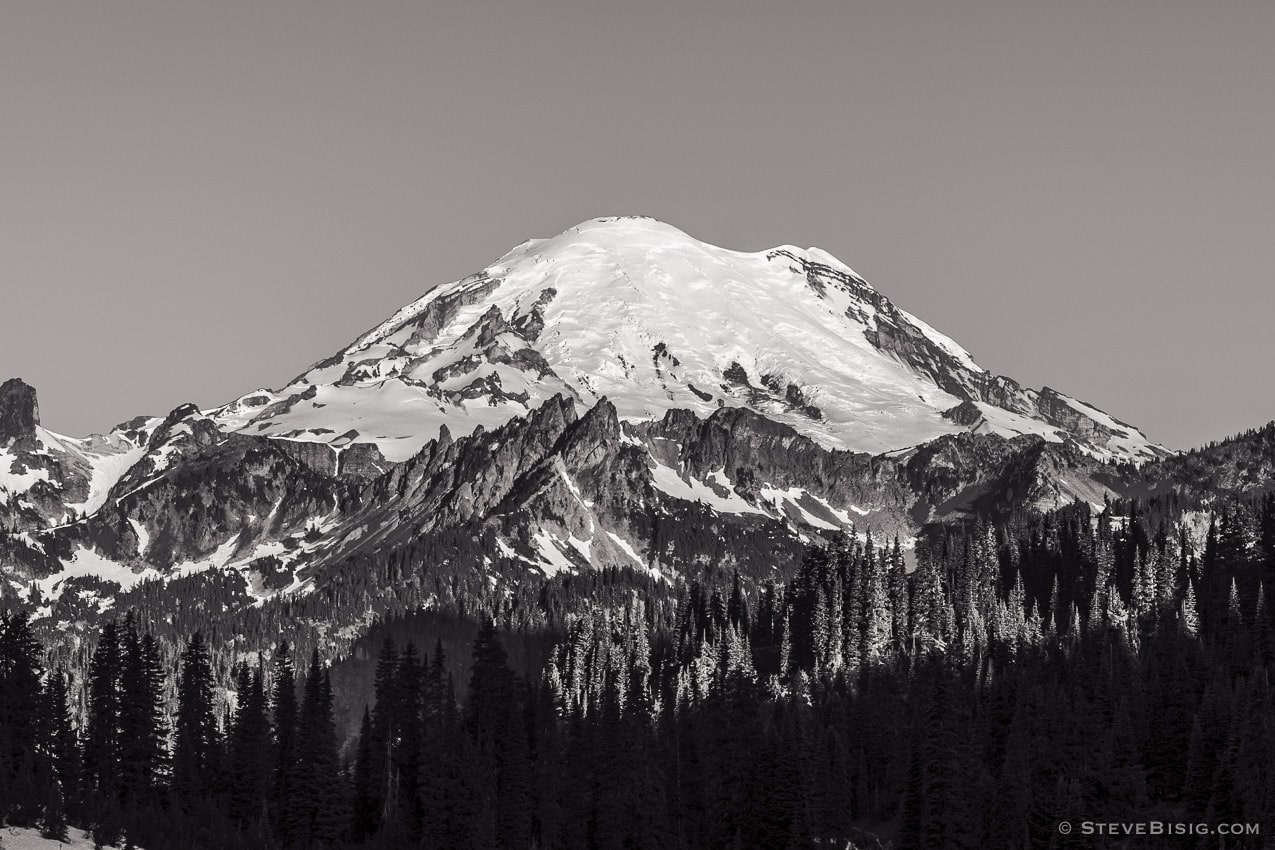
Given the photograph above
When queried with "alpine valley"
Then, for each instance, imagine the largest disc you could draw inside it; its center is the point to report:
(618, 400)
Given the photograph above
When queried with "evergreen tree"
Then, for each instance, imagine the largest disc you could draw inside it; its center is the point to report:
(283, 706)
(63, 740)
(316, 809)
(53, 823)
(494, 718)
(365, 816)
(24, 769)
(405, 760)
(384, 732)
(143, 748)
(249, 750)
(196, 738)
(102, 736)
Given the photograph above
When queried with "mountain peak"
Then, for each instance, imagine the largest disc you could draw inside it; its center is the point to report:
(19, 410)
(629, 227)
(640, 234)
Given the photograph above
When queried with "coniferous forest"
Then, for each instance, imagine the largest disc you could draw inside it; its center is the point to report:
(1072, 666)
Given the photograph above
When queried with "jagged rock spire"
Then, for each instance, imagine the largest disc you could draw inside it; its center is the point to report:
(19, 410)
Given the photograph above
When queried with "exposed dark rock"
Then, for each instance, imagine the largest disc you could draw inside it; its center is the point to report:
(966, 414)
(462, 366)
(489, 326)
(488, 386)
(319, 457)
(700, 393)
(736, 375)
(529, 325)
(526, 360)
(363, 460)
(906, 342)
(440, 311)
(19, 412)
(660, 355)
(796, 400)
(1058, 412)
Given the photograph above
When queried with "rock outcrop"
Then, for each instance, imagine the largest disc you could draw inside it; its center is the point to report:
(19, 412)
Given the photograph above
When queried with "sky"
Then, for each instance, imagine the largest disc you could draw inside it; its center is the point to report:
(199, 199)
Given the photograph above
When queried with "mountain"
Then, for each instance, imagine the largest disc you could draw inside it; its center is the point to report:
(635, 311)
(621, 396)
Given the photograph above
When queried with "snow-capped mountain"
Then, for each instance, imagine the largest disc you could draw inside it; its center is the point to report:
(638, 312)
(621, 396)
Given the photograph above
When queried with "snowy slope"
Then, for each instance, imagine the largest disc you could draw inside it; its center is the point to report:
(636, 311)
(21, 838)
(81, 471)
(106, 458)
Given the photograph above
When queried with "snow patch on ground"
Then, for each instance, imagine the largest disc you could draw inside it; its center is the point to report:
(681, 486)
(86, 563)
(108, 469)
(20, 838)
(627, 548)
(1008, 424)
(797, 503)
(553, 561)
(143, 537)
(12, 483)
(581, 546)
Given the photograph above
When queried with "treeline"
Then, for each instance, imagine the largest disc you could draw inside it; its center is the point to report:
(1075, 666)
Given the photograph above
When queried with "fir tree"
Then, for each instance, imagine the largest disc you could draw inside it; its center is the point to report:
(63, 739)
(316, 809)
(494, 718)
(102, 736)
(249, 750)
(196, 738)
(365, 815)
(384, 731)
(283, 707)
(24, 769)
(143, 739)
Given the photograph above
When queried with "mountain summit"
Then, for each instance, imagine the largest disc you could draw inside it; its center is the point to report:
(638, 312)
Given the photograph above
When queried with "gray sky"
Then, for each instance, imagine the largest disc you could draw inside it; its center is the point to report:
(199, 199)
